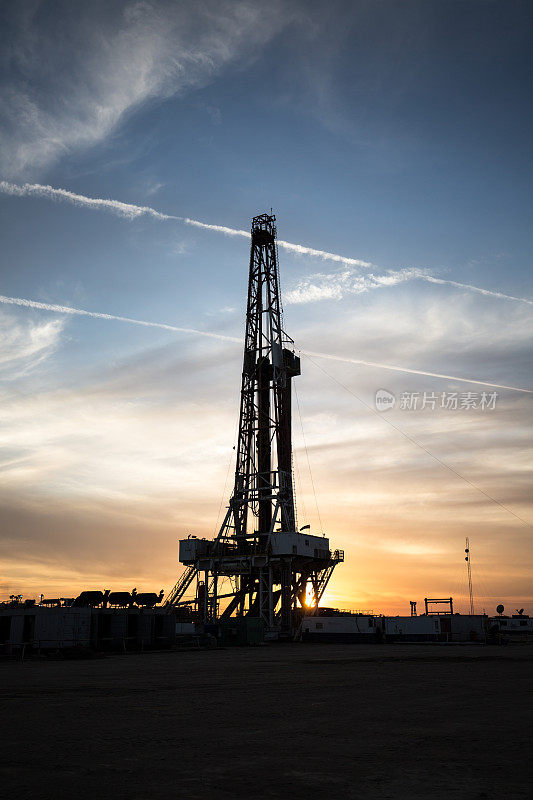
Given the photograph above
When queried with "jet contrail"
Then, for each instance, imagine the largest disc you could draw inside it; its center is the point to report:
(414, 371)
(131, 211)
(475, 289)
(49, 193)
(20, 301)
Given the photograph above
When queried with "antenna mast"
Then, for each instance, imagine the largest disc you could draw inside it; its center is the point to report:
(467, 559)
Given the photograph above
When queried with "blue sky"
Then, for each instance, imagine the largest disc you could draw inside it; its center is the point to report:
(393, 133)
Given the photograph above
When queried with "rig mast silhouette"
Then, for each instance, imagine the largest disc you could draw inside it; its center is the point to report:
(276, 572)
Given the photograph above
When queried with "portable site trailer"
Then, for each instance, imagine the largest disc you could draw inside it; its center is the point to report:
(44, 628)
(436, 628)
(412, 629)
(518, 627)
(345, 628)
(56, 628)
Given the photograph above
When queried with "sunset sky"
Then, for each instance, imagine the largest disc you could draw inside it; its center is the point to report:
(392, 137)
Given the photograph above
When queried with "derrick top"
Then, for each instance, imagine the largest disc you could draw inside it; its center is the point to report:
(264, 229)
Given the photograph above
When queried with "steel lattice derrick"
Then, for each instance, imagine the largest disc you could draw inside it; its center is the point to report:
(264, 422)
(269, 562)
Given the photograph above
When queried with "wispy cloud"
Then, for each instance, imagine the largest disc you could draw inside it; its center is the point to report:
(25, 344)
(104, 61)
(486, 342)
(337, 285)
(88, 466)
(319, 286)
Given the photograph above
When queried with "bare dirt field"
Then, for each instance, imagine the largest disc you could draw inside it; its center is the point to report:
(278, 721)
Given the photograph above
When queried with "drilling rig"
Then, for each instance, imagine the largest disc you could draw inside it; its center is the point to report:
(274, 570)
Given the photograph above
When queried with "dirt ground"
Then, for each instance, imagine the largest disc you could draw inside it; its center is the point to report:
(278, 721)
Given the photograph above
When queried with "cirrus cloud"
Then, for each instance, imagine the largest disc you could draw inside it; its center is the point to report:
(104, 61)
(25, 343)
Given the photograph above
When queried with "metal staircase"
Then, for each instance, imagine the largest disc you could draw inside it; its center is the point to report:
(184, 581)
